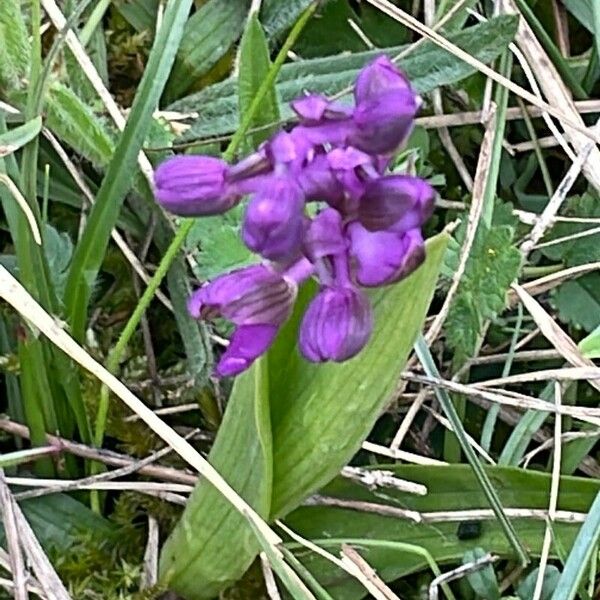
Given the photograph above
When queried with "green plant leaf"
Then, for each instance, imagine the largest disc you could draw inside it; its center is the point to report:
(254, 64)
(585, 545)
(450, 488)
(590, 345)
(319, 415)
(200, 557)
(15, 47)
(527, 587)
(492, 266)
(279, 15)
(58, 249)
(582, 11)
(483, 581)
(578, 301)
(209, 34)
(118, 178)
(428, 67)
(16, 138)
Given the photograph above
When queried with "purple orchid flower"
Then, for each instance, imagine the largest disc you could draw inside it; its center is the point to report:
(368, 235)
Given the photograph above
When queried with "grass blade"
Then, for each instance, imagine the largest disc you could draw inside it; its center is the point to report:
(90, 251)
(424, 355)
(581, 552)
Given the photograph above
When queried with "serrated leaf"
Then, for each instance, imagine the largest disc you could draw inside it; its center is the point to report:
(15, 48)
(318, 414)
(254, 64)
(208, 35)
(578, 301)
(217, 245)
(492, 266)
(428, 67)
(58, 249)
(579, 250)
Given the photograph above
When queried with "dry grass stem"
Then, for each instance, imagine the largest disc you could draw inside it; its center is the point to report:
(150, 575)
(376, 586)
(408, 419)
(459, 573)
(553, 502)
(11, 533)
(269, 577)
(375, 478)
(24, 206)
(408, 457)
(18, 297)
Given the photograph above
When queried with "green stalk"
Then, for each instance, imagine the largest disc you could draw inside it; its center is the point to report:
(116, 353)
(424, 355)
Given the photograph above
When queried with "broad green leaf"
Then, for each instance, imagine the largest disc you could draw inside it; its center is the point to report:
(254, 64)
(15, 48)
(578, 301)
(118, 178)
(141, 14)
(318, 417)
(16, 138)
(58, 520)
(209, 34)
(527, 586)
(336, 405)
(428, 67)
(212, 544)
(585, 545)
(58, 249)
(450, 488)
(582, 11)
(590, 345)
(279, 15)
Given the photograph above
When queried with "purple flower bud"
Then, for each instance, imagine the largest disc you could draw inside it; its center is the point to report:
(324, 236)
(384, 122)
(401, 202)
(274, 220)
(318, 181)
(194, 186)
(255, 295)
(316, 108)
(246, 345)
(384, 257)
(378, 77)
(336, 325)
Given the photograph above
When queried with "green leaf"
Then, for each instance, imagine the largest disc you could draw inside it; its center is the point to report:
(581, 553)
(141, 14)
(279, 15)
(208, 35)
(450, 488)
(15, 48)
(201, 548)
(91, 248)
(428, 67)
(76, 124)
(582, 11)
(578, 301)
(590, 345)
(16, 138)
(527, 587)
(59, 252)
(220, 245)
(483, 580)
(319, 415)
(254, 64)
(58, 520)
(492, 266)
